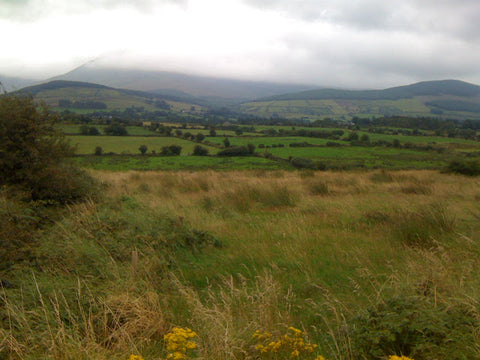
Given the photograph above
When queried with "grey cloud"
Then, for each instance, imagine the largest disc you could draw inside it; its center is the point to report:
(355, 60)
(456, 17)
(30, 10)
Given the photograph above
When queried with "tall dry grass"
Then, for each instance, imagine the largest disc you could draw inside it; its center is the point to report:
(309, 250)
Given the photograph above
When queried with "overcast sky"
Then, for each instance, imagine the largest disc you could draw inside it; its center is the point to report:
(341, 43)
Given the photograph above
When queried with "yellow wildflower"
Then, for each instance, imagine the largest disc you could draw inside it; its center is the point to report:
(395, 357)
(135, 357)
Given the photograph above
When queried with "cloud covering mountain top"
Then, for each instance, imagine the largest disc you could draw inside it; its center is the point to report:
(356, 43)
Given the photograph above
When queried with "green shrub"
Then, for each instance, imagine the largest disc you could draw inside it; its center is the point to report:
(115, 130)
(199, 150)
(416, 327)
(469, 168)
(172, 150)
(33, 153)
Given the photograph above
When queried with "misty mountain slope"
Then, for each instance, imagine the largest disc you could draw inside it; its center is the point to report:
(447, 98)
(14, 83)
(175, 83)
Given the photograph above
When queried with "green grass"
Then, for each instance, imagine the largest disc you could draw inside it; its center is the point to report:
(126, 163)
(130, 144)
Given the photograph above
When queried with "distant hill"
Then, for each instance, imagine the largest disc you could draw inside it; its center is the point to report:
(448, 98)
(14, 83)
(214, 90)
(426, 88)
(89, 96)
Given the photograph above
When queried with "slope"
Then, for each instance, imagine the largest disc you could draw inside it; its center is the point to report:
(87, 97)
(449, 98)
(211, 89)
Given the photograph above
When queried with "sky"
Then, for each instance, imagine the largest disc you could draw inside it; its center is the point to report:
(331, 43)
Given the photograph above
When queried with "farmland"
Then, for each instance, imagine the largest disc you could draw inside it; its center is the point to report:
(377, 150)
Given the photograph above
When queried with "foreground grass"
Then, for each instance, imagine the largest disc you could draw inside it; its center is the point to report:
(353, 259)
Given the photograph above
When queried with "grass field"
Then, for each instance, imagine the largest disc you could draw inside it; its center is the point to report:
(314, 109)
(130, 144)
(126, 163)
(367, 264)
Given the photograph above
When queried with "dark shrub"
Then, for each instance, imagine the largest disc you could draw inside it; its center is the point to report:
(469, 168)
(200, 150)
(143, 149)
(33, 153)
(304, 163)
(115, 130)
(235, 151)
(172, 150)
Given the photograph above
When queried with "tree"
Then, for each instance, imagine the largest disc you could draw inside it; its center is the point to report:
(172, 150)
(199, 137)
(143, 149)
(226, 142)
(33, 153)
(199, 150)
(116, 130)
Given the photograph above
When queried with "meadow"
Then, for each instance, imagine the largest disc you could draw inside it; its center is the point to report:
(365, 264)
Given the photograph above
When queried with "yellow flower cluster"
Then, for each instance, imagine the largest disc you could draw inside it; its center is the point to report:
(395, 357)
(293, 343)
(135, 357)
(178, 343)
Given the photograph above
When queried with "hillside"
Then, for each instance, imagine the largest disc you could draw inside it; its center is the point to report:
(74, 95)
(13, 83)
(449, 98)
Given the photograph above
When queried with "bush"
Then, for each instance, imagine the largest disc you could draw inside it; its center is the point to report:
(172, 150)
(98, 150)
(89, 130)
(115, 130)
(33, 153)
(143, 149)
(415, 327)
(200, 151)
(235, 151)
(469, 168)
(304, 163)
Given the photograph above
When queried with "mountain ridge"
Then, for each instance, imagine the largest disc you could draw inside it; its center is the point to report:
(206, 87)
(422, 88)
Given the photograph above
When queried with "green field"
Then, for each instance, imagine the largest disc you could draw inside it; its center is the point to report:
(126, 163)
(442, 150)
(315, 109)
(114, 99)
(129, 144)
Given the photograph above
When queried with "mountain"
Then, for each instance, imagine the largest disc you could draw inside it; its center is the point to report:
(90, 97)
(425, 88)
(214, 90)
(14, 83)
(448, 98)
